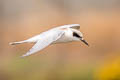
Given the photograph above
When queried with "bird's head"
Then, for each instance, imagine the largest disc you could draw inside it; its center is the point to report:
(78, 36)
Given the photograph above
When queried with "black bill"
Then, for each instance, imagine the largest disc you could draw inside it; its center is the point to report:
(85, 42)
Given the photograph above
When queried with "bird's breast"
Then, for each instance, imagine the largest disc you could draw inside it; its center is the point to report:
(65, 38)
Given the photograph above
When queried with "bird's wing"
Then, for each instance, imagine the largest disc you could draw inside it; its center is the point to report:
(74, 26)
(47, 39)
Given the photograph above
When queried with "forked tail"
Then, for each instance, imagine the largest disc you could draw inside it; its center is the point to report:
(15, 43)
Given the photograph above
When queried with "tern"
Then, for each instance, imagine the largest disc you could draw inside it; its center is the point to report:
(61, 34)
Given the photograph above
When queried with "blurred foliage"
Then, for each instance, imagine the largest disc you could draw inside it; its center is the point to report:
(29, 69)
(110, 70)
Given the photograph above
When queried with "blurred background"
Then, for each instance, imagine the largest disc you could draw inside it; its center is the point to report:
(100, 24)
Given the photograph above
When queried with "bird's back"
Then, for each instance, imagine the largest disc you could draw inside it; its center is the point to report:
(42, 35)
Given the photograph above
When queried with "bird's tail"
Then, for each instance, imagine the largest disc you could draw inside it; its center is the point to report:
(15, 43)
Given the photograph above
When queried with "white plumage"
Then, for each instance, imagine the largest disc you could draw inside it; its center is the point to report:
(65, 33)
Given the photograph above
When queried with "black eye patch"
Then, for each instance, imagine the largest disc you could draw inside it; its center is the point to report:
(76, 35)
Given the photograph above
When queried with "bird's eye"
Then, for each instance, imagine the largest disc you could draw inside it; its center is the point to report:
(76, 35)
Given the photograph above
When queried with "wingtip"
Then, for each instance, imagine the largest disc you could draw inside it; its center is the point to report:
(23, 56)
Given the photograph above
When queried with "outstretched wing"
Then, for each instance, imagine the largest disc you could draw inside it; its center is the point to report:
(74, 26)
(46, 40)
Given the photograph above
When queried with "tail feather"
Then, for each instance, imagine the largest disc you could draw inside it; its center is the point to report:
(15, 43)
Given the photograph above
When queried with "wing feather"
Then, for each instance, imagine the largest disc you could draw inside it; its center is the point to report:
(45, 41)
(74, 26)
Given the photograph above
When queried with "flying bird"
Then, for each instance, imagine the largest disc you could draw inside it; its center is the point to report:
(61, 34)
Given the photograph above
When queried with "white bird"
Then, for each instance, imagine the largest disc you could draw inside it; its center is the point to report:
(65, 33)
